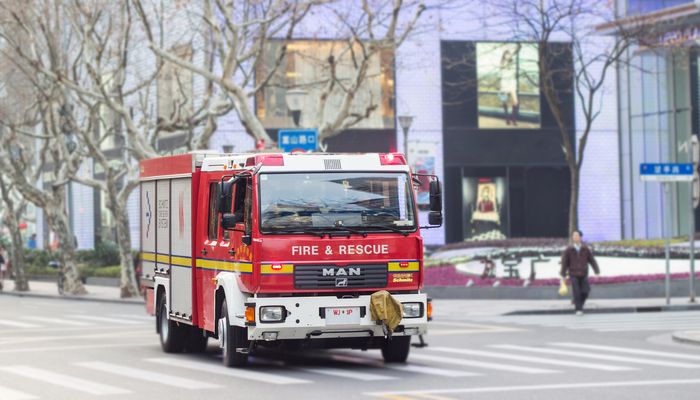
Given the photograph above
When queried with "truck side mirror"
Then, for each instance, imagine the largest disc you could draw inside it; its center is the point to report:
(228, 221)
(435, 218)
(435, 196)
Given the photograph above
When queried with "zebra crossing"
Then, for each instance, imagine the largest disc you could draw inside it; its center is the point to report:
(612, 322)
(204, 373)
(70, 322)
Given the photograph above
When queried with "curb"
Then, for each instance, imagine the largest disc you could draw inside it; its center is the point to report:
(684, 338)
(610, 310)
(138, 301)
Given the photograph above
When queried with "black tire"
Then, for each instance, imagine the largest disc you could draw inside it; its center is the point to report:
(234, 337)
(396, 350)
(196, 341)
(172, 334)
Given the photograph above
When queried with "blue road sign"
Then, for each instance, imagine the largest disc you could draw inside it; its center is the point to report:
(290, 140)
(666, 172)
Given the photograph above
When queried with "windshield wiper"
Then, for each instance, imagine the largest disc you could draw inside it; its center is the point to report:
(339, 229)
(387, 227)
(297, 230)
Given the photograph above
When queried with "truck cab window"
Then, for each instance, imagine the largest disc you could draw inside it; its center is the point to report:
(213, 227)
(240, 198)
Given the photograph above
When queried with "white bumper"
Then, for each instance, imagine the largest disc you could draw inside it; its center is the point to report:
(305, 318)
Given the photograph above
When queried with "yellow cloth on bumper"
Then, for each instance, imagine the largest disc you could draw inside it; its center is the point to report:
(384, 307)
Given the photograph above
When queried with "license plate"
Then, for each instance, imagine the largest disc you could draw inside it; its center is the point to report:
(342, 315)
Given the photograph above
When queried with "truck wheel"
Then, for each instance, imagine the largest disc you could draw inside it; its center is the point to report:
(172, 335)
(196, 341)
(231, 338)
(396, 350)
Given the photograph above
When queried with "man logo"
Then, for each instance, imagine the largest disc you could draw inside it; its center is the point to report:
(341, 272)
(341, 282)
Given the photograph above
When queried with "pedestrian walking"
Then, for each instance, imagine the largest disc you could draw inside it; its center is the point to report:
(574, 262)
(3, 266)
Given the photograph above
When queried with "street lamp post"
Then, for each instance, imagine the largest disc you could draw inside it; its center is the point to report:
(405, 121)
(295, 103)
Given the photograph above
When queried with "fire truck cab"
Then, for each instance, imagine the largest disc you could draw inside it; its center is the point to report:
(282, 250)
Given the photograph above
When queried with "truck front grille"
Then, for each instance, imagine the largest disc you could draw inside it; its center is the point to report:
(328, 276)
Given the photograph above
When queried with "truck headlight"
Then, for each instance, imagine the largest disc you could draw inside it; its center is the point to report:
(272, 314)
(412, 310)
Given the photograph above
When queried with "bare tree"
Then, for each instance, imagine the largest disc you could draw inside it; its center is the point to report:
(250, 42)
(592, 56)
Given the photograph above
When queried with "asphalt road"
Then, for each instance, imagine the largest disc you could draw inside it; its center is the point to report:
(57, 349)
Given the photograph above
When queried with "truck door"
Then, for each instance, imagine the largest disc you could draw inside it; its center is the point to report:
(242, 209)
(212, 247)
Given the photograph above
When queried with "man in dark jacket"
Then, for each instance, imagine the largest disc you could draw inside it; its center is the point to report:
(574, 261)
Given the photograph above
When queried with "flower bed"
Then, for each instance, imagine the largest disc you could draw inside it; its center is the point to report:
(547, 247)
(447, 275)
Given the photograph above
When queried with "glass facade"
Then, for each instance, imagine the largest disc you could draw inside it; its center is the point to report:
(655, 126)
(636, 7)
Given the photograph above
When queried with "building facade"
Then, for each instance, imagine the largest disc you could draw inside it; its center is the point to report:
(658, 114)
(503, 169)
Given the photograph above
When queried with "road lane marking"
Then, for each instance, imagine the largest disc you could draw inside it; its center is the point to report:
(483, 364)
(9, 394)
(67, 381)
(343, 373)
(523, 388)
(17, 324)
(59, 321)
(623, 359)
(531, 359)
(106, 319)
(146, 375)
(626, 350)
(222, 370)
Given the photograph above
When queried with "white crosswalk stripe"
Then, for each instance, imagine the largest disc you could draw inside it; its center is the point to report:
(419, 369)
(612, 322)
(529, 359)
(627, 350)
(608, 357)
(146, 375)
(57, 321)
(9, 394)
(482, 364)
(218, 369)
(17, 324)
(343, 373)
(67, 381)
(106, 319)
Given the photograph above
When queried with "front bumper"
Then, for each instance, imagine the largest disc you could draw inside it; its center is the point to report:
(306, 318)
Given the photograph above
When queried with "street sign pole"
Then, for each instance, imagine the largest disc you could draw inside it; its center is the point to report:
(665, 222)
(668, 173)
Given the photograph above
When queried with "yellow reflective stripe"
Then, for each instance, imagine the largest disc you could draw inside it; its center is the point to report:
(413, 266)
(266, 269)
(220, 265)
(148, 257)
(162, 258)
(181, 261)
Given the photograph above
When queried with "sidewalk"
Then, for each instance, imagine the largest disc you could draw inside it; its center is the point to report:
(447, 308)
(49, 290)
(689, 337)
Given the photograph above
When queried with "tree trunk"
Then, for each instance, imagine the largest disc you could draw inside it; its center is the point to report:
(573, 201)
(128, 283)
(17, 255)
(60, 226)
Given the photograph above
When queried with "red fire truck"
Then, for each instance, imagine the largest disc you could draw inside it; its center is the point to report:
(285, 250)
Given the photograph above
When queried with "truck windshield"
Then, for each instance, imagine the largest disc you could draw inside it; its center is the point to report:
(311, 201)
